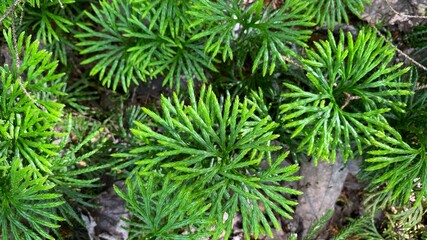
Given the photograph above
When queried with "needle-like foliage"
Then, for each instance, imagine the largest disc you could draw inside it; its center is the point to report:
(349, 90)
(26, 133)
(417, 39)
(391, 159)
(266, 33)
(39, 180)
(45, 19)
(215, 146)
(196, 163)
(332, 12)
(77, 93)
(70, 168)
(26, 130)
(167, 14)
(51, 23)
(109, 47)
(163, 209)
(361, 228)
(26, 203)
(128, 50)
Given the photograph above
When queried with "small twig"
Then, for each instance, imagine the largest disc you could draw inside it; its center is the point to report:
(60, 4)
(9, 10)
(404, 15)
(21, 18)
(292, 61)
(400, 51)
(18, 66)
(15, 45)
(418, 86)
(421, 86)
(348, 99)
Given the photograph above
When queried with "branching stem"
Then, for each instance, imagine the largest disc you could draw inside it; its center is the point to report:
(418, 86)
(60, 4)
(18, 66)
(400, 51)
(292, 62)
(9, 10)
(348, 99)
(404, 15)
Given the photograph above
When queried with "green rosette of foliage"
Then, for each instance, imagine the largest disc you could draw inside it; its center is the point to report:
(222, 150)
(349, 89)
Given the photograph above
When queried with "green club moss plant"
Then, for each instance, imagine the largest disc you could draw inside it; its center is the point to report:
(41, 181)
(198, 158)
(215, 146)
(185, 37)
(349, 89)
(334, 12)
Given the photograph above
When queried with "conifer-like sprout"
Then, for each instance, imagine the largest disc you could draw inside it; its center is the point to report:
(342, 107)
(216, 148)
